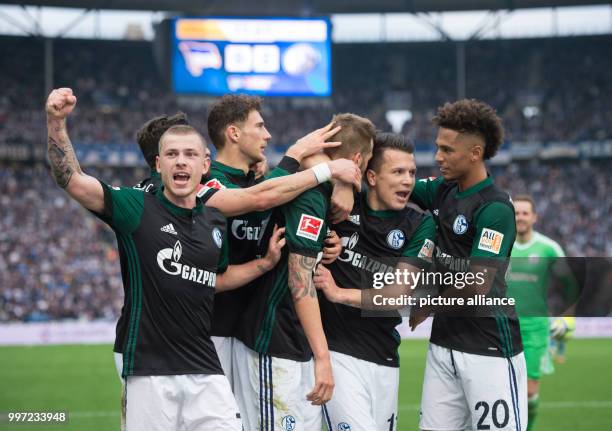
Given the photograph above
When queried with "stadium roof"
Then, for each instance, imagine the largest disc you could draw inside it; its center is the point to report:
(305, 7)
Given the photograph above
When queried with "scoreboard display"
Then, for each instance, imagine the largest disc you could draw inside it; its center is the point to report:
(272, 57)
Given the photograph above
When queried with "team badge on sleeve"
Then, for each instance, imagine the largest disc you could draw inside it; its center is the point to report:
(214, 184)
(490, 240)
(426, 252)
(309, 227)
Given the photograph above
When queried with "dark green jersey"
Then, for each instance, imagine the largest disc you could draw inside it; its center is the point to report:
(270, 324)
(170, 257)
(244, 240)
(151, 184)
(373, 242)
(473, 226)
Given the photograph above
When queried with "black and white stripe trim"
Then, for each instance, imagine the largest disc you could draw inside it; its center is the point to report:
(266, 404)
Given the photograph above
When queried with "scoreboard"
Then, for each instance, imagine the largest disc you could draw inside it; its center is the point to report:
(272, 57)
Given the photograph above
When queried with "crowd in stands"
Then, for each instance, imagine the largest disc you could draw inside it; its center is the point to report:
(57, 261)
(119, 86)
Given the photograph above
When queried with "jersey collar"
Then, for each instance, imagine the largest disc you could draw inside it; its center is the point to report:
(475, 188)
(176, 209)
(154, 175)
(376, 213)
(249, 177)
(526, 245)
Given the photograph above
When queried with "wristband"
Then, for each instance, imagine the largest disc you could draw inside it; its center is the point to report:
(322, 172)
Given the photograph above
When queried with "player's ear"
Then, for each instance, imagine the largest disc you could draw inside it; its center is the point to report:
(232, 133)
(157, 164)
(371, 178)
(477, 153)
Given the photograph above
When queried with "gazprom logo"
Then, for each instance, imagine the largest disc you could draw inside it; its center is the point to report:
(177, 251)
(186, 272)
(352, 242)
(343, 426)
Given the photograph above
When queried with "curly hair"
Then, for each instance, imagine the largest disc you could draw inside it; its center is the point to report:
(149, 134)
(388, 141)
(229, 109)
(474, 117)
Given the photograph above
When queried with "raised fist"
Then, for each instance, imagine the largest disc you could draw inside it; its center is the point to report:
(60, 103)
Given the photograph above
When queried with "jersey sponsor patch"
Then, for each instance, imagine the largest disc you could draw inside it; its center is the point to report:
(214, 184)
(426, 251)
(309, 227)
(490, 240)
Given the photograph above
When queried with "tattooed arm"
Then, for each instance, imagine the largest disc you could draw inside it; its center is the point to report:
(65, 168)
(306, 305)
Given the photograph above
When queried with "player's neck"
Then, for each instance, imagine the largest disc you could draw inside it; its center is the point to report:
(472, 177)
(188, 202)
(234, 159)
(525, 237)
(374, 203)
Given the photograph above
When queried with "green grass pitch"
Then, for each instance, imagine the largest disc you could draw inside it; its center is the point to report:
(82, 381)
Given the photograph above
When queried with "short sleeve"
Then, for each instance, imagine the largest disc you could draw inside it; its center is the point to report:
(123, 208)
(218, 181)
(422, 243)
(305, 228)
(425, 191)
(495, 231)
(286, 166)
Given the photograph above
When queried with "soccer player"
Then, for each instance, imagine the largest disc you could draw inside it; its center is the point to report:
(147, 138)
(475, 373)
(535, 260)
(382, 235)
(277, 382)
(239, 134)
(170, 245)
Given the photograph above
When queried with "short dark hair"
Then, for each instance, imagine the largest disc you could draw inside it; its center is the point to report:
(388, 141)
(356, 135)
(231, 108)
(525, 198)
(474, 117)
(182, 129)
(149, 134)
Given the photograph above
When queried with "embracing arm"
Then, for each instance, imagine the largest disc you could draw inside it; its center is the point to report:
(277, 191)
(238, 275)
(65, 167)
(368, 299)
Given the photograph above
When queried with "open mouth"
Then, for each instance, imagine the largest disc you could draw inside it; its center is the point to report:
(402, 195)
(181, 177)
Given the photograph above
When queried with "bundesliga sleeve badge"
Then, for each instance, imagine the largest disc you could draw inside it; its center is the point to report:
(309, 227)
(214, 184)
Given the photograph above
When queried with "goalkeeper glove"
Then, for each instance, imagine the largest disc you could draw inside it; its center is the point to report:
(562, 327)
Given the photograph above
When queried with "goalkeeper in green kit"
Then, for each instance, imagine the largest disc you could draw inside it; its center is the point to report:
(534, 259)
